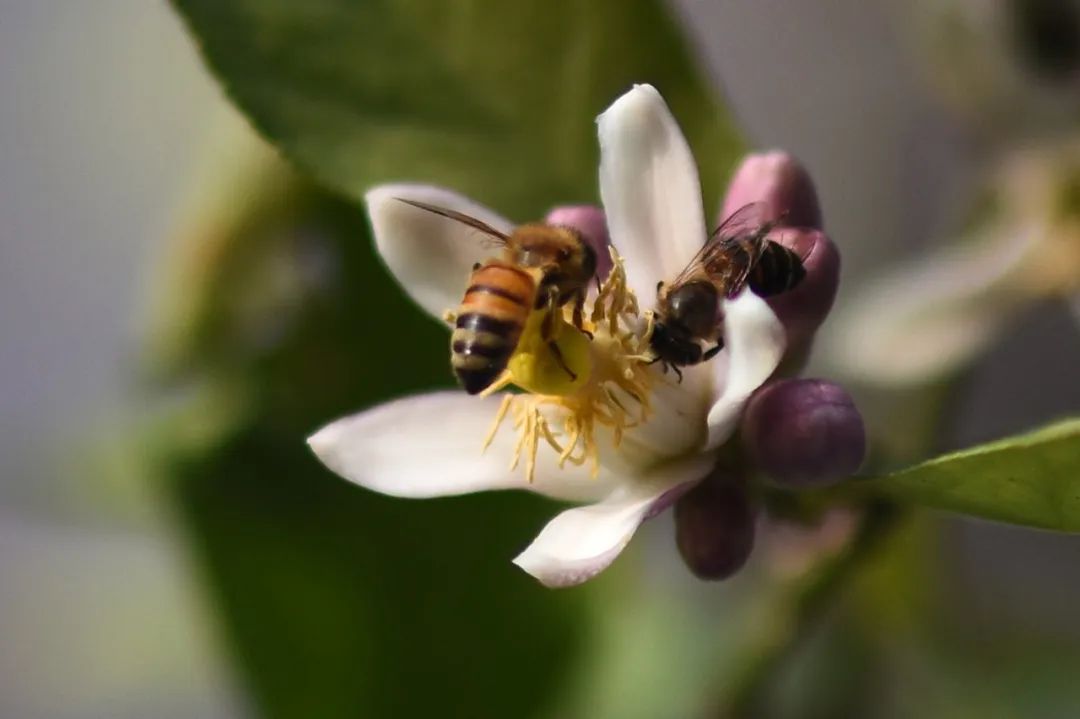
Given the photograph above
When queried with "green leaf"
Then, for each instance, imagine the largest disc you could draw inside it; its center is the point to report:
(1032, 479)
(494, 99)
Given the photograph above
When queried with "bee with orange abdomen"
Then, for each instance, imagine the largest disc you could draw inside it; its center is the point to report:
(489, 322)
(737, 255)
(541, 267)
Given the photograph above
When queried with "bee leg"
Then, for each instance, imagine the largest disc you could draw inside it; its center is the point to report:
(710, 353)
(678, 372)
(579, 314)
(547, 330)
(547, 327)
(557, 353)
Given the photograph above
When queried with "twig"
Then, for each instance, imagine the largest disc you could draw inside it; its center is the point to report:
(798, 612)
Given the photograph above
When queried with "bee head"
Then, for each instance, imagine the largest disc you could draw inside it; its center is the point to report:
(575, 258)
(672, 345)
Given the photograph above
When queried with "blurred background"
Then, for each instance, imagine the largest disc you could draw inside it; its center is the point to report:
(170, 295)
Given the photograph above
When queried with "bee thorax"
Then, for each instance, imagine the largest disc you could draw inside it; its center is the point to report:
(693, 307)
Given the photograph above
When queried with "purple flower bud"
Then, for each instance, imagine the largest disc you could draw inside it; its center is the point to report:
(804, 432)
(804, 308)
(590, 222)
(781, 182)
(714, 526)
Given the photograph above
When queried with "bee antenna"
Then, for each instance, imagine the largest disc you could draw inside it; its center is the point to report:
(461, 217)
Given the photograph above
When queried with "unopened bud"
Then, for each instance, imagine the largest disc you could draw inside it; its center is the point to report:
(782, 183)
(784, 186)
(804, 432)
(714, 526)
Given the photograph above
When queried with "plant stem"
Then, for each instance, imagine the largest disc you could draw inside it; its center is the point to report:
(798, 611)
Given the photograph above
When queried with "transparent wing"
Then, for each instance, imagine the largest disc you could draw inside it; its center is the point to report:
(497, 238)
(731, 250)
(748, 220)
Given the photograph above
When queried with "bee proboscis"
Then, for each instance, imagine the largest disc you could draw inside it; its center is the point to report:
(736, 255)
(540, 267)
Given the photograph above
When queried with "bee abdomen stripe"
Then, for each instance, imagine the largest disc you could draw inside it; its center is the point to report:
(473, 363)
(498, 292)
(474, 380)
(488, 339)
(490, 351)
(514, 275)
(793, 270)
(779, 269)
(483, 323)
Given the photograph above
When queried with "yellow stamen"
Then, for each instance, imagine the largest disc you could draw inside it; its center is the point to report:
(502, 381)
(507, 400)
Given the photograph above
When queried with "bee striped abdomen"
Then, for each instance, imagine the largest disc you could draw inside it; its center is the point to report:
(489, 323)
(777, 270)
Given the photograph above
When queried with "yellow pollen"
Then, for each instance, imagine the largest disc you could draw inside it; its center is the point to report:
(610, 387)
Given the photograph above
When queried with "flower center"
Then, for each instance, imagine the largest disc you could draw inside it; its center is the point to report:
(574, 385)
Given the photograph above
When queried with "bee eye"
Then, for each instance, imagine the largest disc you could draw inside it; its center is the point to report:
(564, 254)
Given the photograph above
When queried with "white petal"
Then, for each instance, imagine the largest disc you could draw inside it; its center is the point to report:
(676, 423)
(650, 189)
(430, 446)
(581, 542)
(754, 344)
(430, 256)
(930, 318)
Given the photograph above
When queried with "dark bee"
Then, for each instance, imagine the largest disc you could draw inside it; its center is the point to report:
(737, 255)
(540, 267)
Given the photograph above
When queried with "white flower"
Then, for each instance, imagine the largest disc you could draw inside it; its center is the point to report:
(430, 445)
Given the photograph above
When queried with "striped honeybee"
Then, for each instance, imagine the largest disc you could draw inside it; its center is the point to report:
(541, 267)
(737, 255)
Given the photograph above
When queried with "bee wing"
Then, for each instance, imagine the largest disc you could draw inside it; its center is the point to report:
(731, 250)
(498, 238)
(749, 219)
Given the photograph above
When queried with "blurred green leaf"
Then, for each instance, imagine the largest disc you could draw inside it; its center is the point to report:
(1032, 479)
(494, 99)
